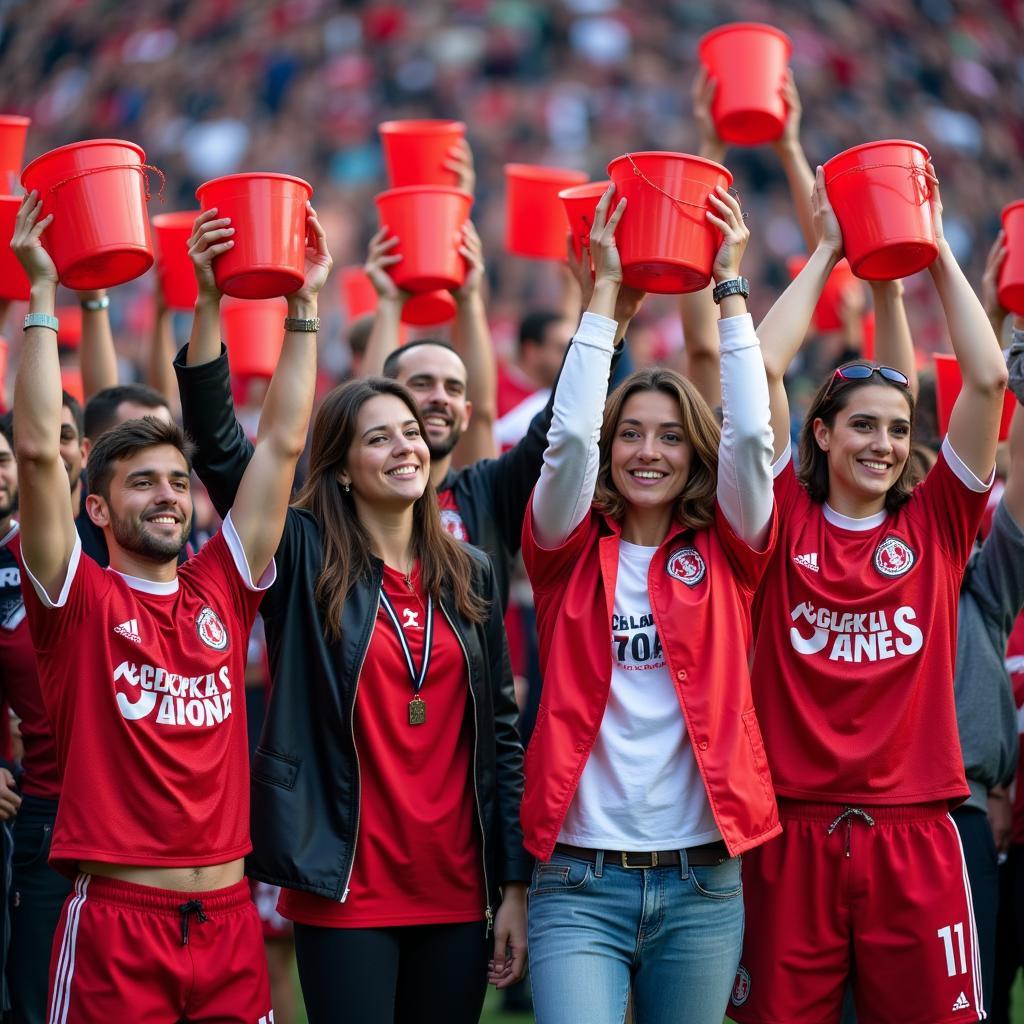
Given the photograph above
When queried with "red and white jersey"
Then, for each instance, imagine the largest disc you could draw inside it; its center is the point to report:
(144, 683)
(855, 636)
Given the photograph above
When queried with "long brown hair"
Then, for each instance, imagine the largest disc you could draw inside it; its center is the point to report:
(344, 539)
(832, 397)
(695, 507)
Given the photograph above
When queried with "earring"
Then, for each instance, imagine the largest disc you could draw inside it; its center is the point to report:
(346, 488)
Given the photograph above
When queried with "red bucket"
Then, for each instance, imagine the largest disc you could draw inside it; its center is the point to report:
(429, 309)
(1011, 274)
(268, 213)
(579, 202)
(948, 383)
(534, 218)
(71, 382)
(881, 195)
(97, 192)
(171, 232)
(748, 63)
(14, 282)
(428, 221)
(357, 292)
(665, 241)
(828, 312)
(253, 335)
(69, 334)
(415, 151)
(13, 130)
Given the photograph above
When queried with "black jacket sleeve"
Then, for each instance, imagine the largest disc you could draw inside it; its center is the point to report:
(513, 474)
(208, 413)
(514, 863)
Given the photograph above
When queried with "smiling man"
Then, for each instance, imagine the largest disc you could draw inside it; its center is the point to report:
(138, 667)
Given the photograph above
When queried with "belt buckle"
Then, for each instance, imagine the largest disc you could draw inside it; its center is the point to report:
(653, 860)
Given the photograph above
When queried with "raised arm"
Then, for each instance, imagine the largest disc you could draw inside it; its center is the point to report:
(391, 299)
(472, 338)
(744, 487)
(258, 513)
(974, 422)
(994, 309)
(157, 363)
(565, 490)
(893, 344)
(784, 329)
(48, 535)
(96, 354)
(799, 175)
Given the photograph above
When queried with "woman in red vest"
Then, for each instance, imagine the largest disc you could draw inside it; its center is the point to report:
(646, 777)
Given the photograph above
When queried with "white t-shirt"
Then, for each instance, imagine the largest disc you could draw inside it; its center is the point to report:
(641, 788)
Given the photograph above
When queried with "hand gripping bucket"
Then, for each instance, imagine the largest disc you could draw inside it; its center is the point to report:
(253, 335)
(13, 130)
(748, 63)
(97, 192)
(14, 282)
(428, 221)
(177, 279)
(268, 213)
(534, 217)
(1011, 274)
(579, 202)
(665, 241)
(881, 194)
(415, 151)
(828, 314)
(948, 383)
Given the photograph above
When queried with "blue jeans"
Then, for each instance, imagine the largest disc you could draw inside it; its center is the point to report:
(673, 934)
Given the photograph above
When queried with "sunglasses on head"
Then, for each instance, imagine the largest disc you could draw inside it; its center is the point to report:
(864, 371)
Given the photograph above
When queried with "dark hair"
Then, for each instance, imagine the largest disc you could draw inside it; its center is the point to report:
(73, 405)
(101, 409)
(695, 507)
(391, 363)
(533, 326)
(345, 541)
(124, 440)
(833, 396)
(7, 428)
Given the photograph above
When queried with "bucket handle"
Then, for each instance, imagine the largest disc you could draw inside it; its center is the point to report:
(675, 199)
(143, 169)
(918, 176)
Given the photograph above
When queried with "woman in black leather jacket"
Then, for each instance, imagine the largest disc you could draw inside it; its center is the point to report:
(391, 820)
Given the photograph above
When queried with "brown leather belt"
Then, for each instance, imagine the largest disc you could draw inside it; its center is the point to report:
(699, 856)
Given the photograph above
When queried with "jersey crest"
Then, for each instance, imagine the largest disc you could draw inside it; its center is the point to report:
(894, 557)
(452, 522)
(741, 986)
(211, 630)
(687, 566)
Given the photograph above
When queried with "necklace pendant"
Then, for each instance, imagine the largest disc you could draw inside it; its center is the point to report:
(408, 582)
(417, 710)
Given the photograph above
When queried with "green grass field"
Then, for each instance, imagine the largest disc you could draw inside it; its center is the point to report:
(492, 1009)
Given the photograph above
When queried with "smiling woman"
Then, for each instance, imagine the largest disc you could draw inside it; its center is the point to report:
(646, 753)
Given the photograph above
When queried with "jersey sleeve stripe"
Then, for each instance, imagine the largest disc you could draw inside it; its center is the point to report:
(962, 472)
(234, 544)
(69, 578)
(782, 461)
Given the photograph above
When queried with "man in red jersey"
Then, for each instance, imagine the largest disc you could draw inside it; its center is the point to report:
(141, 667)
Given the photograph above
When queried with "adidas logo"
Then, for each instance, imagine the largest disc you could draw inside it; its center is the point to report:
(129, 629)
(961, 1003)
(808, 561)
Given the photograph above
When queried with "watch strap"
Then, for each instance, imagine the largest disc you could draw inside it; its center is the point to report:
(295, 323)
(95, 305)
(734, 286)
(41, 320)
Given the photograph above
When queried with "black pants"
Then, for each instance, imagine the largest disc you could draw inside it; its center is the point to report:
(37, 896)
(417, 974)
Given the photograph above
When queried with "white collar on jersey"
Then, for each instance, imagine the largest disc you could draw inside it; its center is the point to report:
(149, 586)
(849, 523)
(10, 534)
